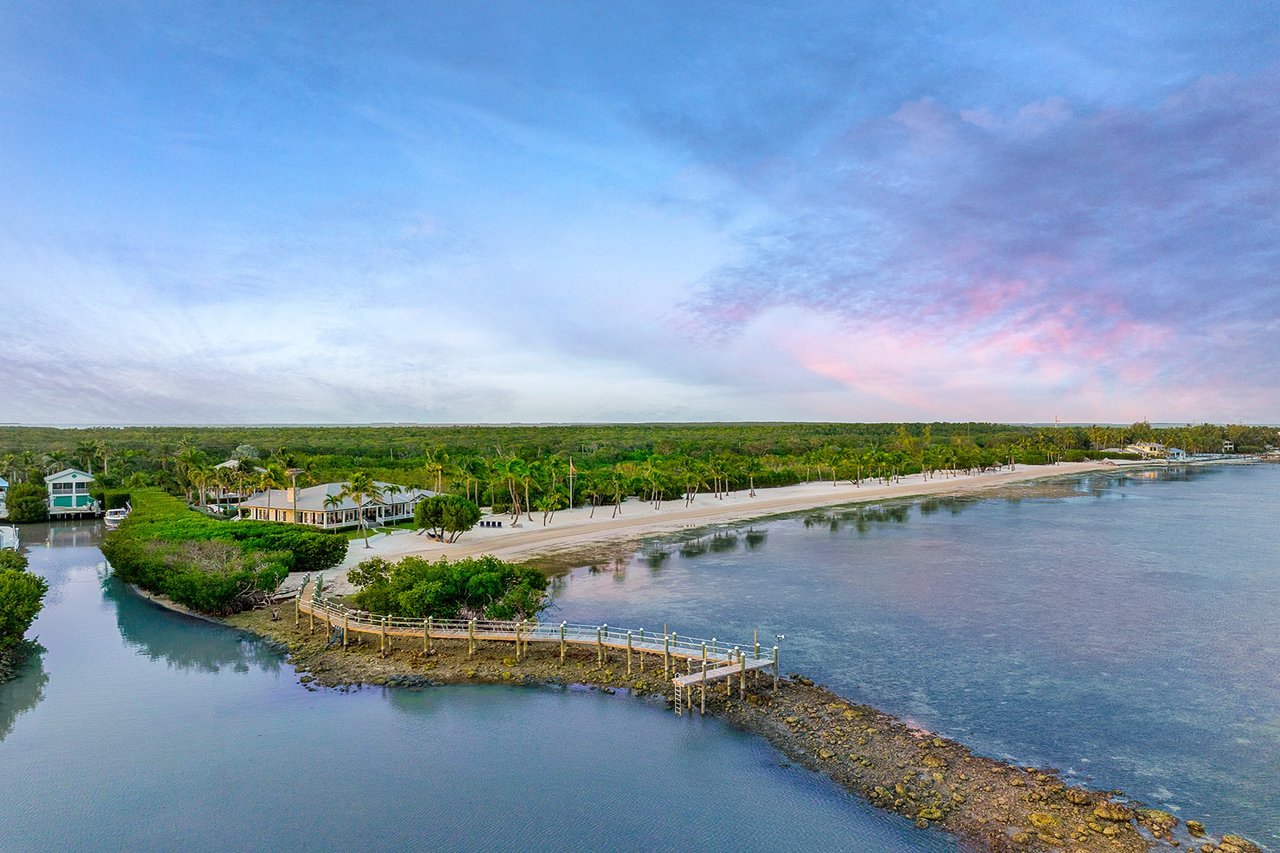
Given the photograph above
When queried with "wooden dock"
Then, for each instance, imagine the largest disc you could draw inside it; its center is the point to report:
(705, 661)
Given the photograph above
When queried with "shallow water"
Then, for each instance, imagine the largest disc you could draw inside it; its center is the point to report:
(138, 729)
(1129, 636)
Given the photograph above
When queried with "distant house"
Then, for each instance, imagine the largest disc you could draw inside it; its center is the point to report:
(1148, 449)
(221, 494)
(4, 491)
(69, 493)
(1176, 454)
(322, 507)
(1228, 447)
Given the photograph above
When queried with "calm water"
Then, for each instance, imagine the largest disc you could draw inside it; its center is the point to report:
(1129, 636)
(142, 730)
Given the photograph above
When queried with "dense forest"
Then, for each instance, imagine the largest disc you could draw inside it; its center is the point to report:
(529, 467)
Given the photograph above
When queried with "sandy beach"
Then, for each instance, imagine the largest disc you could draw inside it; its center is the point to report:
(575, 529)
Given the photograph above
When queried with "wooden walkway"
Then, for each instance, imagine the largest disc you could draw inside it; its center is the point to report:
(706, 661)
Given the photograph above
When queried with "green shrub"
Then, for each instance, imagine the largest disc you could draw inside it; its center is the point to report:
(212, 566)
(112, 498)
(21, 597)
(28, 503)
(482, 587)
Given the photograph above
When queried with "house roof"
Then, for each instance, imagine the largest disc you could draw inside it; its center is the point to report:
(69, 474)
(4, 484)
(312, 499)
(234, 465)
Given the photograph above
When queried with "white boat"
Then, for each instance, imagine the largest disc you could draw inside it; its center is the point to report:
(9, 537)
(114, 516)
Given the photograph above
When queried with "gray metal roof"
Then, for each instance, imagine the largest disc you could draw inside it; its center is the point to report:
(313, 498)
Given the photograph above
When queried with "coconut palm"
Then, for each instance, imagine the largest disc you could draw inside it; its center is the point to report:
(84, 454)
(271, 477)
(361, 488)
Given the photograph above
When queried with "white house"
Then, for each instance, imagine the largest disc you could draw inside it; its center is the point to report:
(324, 506)
(69, 493)
(4, 491)
(1176, 454)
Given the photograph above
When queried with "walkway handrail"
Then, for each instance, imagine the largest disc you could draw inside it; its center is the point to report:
(678, 645)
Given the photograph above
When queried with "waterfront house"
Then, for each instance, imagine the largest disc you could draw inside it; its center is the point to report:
(69, 493)
(4, 491)
(1176, 454)
(1148, 449)
(222, 492)
(324, 506)
(1228, 446)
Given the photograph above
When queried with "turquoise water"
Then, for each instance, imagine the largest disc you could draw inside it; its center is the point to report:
(1129, 635)
(139, 729)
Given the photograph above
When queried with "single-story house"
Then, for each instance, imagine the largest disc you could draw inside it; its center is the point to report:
(1176, 454)
(1148, 449)
(325, 507)
(69, 493)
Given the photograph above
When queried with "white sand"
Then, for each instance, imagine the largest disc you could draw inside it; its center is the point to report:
(573, 529)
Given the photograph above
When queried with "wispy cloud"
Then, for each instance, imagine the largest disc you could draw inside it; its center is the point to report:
(544, 213)
(1057, 246)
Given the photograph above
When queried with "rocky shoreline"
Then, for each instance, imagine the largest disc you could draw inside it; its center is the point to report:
(935, 782)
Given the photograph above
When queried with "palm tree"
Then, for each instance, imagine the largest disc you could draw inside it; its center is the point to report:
(333, 502)
(53, 462)
(185, 463)
(84, 454)
(435, 465)
(104, 451)
(271, 477)
(361, 488)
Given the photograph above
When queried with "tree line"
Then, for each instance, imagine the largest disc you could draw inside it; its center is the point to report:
(534, 471)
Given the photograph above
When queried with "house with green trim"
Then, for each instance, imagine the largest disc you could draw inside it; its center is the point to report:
(69, 493)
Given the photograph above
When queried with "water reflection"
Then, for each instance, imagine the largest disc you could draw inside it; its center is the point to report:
(656, 558)
(693, 548)
(23, 693)
(169, 636)
(1122, 626)
(863, 518)
(722, 541)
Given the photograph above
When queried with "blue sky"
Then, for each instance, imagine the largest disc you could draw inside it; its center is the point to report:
(581, 212)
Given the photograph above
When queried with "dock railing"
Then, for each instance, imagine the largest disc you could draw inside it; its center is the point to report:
(714, 658)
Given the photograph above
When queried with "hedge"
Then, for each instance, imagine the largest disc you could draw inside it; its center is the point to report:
(212, 566)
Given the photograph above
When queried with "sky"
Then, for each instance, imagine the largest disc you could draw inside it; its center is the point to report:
(558, 211)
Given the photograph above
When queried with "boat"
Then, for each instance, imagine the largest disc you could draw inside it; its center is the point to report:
(113, 517)
(9, 537)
